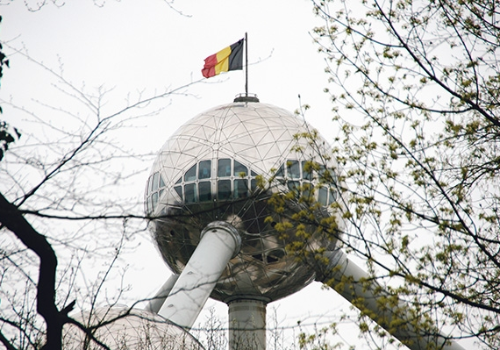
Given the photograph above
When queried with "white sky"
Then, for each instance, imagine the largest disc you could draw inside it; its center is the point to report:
(134, 46)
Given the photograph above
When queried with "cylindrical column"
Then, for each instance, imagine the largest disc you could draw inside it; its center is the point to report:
(157, 301)
(247, 325)
(219, 242)
(359, 287)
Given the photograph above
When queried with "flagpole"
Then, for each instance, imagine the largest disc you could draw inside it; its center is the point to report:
(246, 65)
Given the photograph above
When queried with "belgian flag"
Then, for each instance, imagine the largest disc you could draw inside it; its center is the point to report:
(229, 58)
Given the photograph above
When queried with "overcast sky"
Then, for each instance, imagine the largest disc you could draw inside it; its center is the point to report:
(146, 46)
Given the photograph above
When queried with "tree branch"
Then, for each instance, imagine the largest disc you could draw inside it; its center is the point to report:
(12, 219)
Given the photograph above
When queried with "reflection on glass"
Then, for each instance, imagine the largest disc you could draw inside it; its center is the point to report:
(240, 188)
(205, 191)
(156, 177)
(326, 175)
(293, 185)
(178, 189)
(323, 196)
(224, 167)
(190, 174)
(293, 169)
(190, 193)
(333, 195)
(280, 172)
(239, 169)
(162, 183)
(275, 255)
(224, 189)
(155, 200)
(306, 190)
(204, 169)
(306, 174)
(202, 190)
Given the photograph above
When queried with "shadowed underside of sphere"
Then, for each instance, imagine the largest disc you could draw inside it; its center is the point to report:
(209, 171)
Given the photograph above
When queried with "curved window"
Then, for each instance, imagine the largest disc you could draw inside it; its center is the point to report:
(306, 170)
(293, 185)
(281, 171)
(178, 189)
(306, 190)
(204, 169)
(299, 177)
(327, 175)
(156, 187)
(239, 169)
(190, 193)
(333, 195)
(155, 199)
(156, 177)
(224, 167)
(190, 174)
(293, 169)
(323, 195)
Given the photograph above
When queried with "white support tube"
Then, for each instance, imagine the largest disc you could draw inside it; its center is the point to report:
(368, 292)
(157, 301)
(219, 242)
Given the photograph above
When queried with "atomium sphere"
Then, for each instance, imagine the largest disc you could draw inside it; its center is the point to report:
(132, 329)
(211, 170)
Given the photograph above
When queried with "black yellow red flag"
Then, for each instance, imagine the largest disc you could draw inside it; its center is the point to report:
(229, 58)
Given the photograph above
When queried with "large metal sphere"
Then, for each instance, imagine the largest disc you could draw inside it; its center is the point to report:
(209, 169)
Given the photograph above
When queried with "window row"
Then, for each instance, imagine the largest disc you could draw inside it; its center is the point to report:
(202, 191)
(155, 182)
(232, 181)
(236, 189)
(152, 201)
(155, 188)
(225, 167)
(295, 169)
(326, 195)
